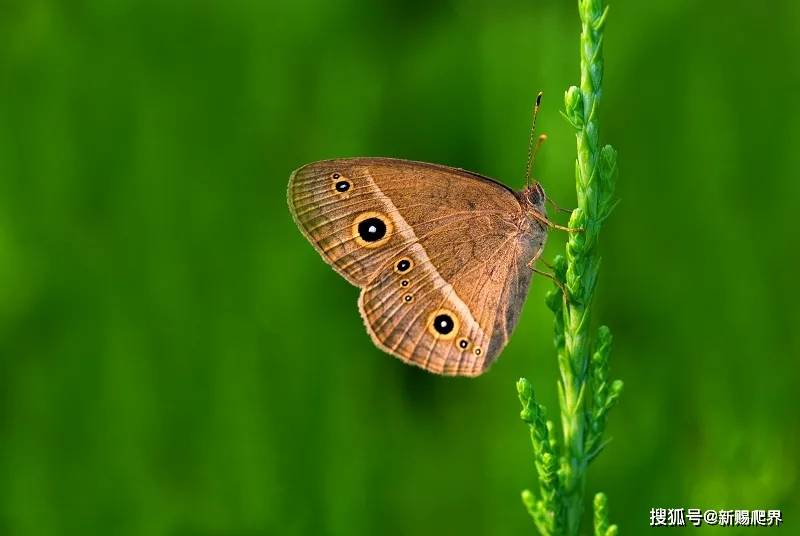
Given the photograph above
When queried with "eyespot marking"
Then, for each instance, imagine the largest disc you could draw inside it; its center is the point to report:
(404, 283)
(403, 265)
(340, 185)
(477, 351)
(408, 298)
(443, 324)
(372, 229)
(463, 343)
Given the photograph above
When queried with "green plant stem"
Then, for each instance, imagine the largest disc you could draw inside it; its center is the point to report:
(582, 263)
(585, 394)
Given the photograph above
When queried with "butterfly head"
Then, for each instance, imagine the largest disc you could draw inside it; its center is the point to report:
(533, 197)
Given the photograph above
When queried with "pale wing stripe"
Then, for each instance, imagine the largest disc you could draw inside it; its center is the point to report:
(458, 304)
(398, 248)
(411, 280)
(391, 251)
(428, 261)
(330, 221)
(439, 283)
(480, 331)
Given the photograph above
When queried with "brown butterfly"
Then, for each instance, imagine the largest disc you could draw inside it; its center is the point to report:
(443, 256)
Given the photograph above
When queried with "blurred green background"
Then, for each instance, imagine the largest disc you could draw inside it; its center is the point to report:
(175, 359)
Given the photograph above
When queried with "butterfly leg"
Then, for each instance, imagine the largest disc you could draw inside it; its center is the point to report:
(558, 283)
(555, 206)
(536, 258)
(541, 218)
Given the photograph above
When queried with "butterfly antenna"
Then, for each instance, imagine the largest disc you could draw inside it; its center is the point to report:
(531, 150)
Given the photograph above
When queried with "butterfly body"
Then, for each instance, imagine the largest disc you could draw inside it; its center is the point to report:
(443, 256)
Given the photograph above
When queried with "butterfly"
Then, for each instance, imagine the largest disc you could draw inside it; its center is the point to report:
(443, 256)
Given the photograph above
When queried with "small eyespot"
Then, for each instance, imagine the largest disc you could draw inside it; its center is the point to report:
(477, 351)
(341, 185)
(463, 343)
(404, 282)
(403, 265)
(408, 298)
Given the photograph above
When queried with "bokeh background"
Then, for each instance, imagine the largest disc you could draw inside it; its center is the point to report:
(175, 359)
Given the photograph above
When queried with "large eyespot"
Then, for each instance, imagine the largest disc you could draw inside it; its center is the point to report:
(403, 265)
(372, 229)
(443, 324)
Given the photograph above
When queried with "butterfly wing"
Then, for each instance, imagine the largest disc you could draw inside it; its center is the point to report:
(441, 254)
